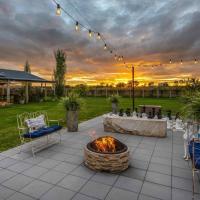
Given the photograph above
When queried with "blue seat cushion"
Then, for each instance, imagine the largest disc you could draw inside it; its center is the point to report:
(42, 131)
(196, 153)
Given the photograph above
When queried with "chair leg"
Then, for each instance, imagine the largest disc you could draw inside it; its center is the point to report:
(193, 183)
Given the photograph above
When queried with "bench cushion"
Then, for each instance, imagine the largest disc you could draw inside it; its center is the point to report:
(196, 153)
(42, 131)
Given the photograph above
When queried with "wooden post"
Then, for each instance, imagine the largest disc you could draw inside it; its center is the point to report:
(45, 90)
(8, 92)
(158, 94)
(26, 92)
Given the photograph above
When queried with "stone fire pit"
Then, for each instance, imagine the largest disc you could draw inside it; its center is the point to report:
(106, 154)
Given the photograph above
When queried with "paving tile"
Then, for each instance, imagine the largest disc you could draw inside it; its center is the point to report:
(139, 164)
(6, 174)
(181, 164)
(178, 194)
(52, 176)
(4, 163)
(82, 197)
(36, 188)
(17, 182)
(35, 171)
(94, 189)
(105, 178)
(65, 167)
(141, 156)
(34, 160)
(72, 182)
(5, 192)
(144, 197)
(58, 193)
(83, 172)
(182, 173)
(184, 184)
(158, 178)
(163, 169)
(160, 160)
(133, 185)
(157, 191)
(20, 196)
(135, 173)
(20, 167)
(119, 194)
(48, 163)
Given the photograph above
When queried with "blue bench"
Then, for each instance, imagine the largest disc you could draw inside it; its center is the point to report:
(194, 150)
(27, 133)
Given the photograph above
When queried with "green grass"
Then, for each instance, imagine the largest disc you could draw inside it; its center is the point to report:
(94, 106)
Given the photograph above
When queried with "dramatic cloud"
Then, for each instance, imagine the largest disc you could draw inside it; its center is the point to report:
(145, 32)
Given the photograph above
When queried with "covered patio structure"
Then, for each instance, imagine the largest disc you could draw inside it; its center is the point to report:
(9, 76)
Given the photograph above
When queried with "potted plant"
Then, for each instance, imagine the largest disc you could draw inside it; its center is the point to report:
(72, 106)
(114, 99)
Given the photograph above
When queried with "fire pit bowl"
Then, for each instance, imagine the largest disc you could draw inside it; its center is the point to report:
(106, 154)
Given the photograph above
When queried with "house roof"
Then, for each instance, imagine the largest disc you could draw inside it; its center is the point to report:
(14, 75)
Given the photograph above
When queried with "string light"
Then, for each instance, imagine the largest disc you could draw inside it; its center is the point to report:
(195, 61)
(98, 36)
(58, 10)
(170, 61)
(181, 62)
(77, 26)
(90, 33)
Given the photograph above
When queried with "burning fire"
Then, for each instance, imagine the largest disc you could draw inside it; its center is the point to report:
(105, 144)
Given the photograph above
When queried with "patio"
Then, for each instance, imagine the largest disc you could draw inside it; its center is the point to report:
(157, 170)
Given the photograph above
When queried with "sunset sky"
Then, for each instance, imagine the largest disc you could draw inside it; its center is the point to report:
(145, 32)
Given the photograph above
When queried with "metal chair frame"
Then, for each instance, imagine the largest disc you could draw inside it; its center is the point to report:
(22, 129)
(194, 169)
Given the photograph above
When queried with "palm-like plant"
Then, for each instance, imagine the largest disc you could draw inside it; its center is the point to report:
(191, 109)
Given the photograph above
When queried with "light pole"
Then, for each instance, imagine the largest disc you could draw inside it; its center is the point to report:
(133, 86)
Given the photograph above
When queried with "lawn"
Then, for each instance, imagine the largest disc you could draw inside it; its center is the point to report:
(93, 107)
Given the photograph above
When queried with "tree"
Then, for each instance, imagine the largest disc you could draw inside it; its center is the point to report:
(27, 85)
(59, 72)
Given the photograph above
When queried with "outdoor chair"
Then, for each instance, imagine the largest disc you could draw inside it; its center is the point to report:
(194, 150)
(37, 125)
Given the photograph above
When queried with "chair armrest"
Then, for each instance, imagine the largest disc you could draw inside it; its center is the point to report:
(55, 120)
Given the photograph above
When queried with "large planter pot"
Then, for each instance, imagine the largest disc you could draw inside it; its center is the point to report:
(72, 121)
(114, 108)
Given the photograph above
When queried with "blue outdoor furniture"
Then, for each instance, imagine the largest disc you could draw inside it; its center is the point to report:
(27, 133)
(194, 150)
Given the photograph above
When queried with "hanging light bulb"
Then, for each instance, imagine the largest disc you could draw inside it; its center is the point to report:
(110, 51)
(98, 36)
(90, 33)
(115, 57)
(119, 58)
(195, 61)
(170, 61)
(181, 62)
(58, 10)
(77, 26)
(105, 47)
(122, 57)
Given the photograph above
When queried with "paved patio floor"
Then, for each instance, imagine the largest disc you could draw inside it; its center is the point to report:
(157, 170)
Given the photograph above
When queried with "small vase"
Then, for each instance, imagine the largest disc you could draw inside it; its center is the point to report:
(72, 121)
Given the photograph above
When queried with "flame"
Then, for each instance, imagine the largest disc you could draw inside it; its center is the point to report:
(105, 144)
